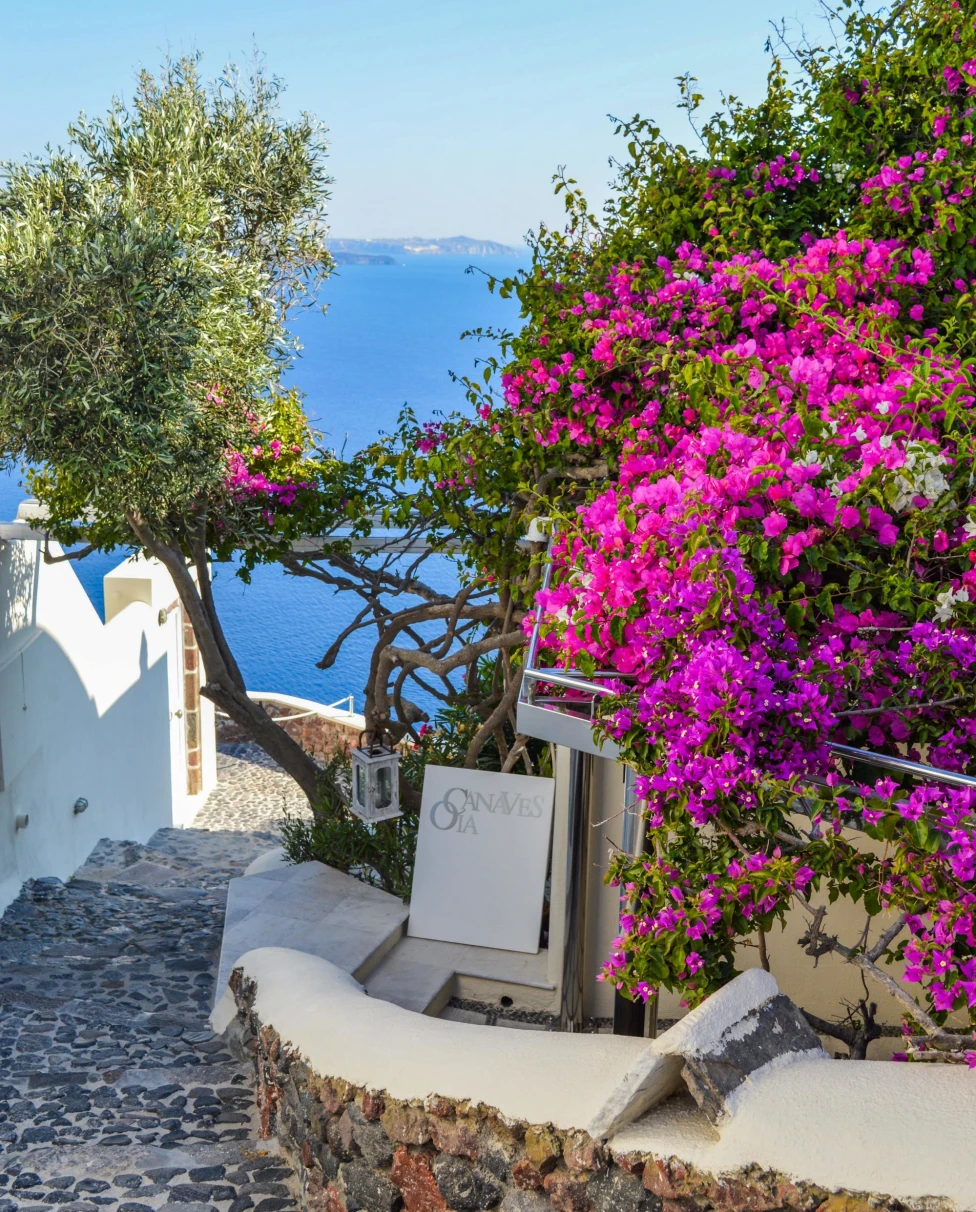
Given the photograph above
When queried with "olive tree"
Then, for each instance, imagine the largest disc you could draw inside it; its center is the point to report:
(146, 276)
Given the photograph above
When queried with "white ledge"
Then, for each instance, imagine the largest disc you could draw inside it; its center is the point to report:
(898, 1130)
(351, 719)
(532, 1076)
(901, 1130)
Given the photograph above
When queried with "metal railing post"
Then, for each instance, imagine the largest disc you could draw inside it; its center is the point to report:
(577, 863)
(629, 1016)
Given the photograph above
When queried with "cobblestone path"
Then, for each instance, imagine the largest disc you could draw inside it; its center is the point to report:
(253, 793)
(114, 1092)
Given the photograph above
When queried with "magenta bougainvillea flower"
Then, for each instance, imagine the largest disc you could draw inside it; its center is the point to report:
(781, 559)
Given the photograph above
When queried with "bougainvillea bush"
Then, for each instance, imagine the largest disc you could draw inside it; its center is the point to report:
(782, 556)
(745, 395)
(781, 560)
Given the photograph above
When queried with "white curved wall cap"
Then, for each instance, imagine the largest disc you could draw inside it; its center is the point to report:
(341, 1032)
(900, 1130)
(701, 1029)
(271, 860)
(648, 1082)
(656, 1072)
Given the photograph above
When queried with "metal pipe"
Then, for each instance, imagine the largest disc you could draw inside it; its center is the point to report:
(904, 766)
(629, 1015)
(556, 676)
(561, 700)
(577, 863)
(572, 680)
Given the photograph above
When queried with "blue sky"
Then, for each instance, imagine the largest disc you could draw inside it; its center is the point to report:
(446, 116)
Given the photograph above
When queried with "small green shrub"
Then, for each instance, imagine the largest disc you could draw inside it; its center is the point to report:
(380, 854)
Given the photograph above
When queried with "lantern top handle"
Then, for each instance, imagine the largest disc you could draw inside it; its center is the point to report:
(374, 740)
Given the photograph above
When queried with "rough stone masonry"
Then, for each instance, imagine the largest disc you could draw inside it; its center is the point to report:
(358, 1150)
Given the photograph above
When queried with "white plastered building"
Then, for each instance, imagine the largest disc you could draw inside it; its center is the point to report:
(103, 732)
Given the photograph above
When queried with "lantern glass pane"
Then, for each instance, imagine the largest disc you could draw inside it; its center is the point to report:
(384, 787)
(360, 785)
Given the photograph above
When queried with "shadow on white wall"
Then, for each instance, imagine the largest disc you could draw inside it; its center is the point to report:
(88, 711)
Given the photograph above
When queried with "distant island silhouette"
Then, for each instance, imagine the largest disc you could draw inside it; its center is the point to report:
(353, 258)
(384, 251)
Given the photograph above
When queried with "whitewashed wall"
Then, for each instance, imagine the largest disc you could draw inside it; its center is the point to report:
(87, 710)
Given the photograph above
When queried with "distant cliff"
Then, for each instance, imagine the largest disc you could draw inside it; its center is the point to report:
(357, 258)
(412, 246)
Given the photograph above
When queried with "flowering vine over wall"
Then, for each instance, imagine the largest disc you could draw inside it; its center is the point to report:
(785, 556)
(745, 393)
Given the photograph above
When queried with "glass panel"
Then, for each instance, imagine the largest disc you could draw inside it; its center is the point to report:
(360, 786)
(384, 787)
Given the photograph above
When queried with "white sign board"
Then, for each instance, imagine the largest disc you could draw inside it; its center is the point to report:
(482, 852)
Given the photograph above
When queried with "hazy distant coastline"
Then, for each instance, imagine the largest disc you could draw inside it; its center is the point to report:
(356, 258)
(383, 251)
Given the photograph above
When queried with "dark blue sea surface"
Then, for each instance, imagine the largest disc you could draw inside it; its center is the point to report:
(390, 338)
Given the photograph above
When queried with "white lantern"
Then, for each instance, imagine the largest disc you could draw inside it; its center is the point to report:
(375, 782)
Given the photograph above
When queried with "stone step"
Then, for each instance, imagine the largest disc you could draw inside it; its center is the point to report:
(249, 1174)
(115, 1094)
(313, 908)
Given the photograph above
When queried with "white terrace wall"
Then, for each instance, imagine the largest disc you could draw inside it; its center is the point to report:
(87, 710)
(376, 1105)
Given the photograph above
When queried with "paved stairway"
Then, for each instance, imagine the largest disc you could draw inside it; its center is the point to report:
(114, 1092)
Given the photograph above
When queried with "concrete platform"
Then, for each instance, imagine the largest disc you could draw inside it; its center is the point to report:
(422, 974)
(314, 909)
(320, 911)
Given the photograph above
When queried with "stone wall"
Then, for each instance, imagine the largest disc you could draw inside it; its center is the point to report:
(357, 1150)
(317, 734)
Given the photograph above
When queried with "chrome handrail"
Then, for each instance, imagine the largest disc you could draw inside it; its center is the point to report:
(887, 761)
(569, 679)
(573, 680)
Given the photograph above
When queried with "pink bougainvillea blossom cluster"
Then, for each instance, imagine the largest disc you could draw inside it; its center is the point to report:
(245, 482)
(785, 440)
(779, 174)
(262, 474)
(930, 181)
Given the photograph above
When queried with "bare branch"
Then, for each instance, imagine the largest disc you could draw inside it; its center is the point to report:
(358, 624)
(886, 939)
(471, 652)
(65, 555)
(816, 943)
(489, 726)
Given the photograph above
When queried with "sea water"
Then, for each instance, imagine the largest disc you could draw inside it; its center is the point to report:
(390, 338)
